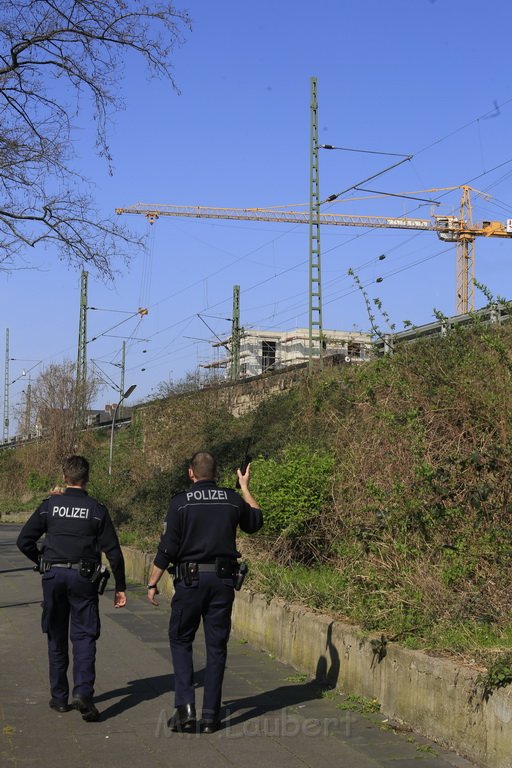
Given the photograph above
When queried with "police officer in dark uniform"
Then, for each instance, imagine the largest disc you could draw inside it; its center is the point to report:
(78, 528)
(200, 539)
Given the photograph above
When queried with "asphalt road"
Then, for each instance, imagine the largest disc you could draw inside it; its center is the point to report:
(272, 715)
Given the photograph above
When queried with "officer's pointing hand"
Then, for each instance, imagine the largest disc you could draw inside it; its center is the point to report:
(119, 599)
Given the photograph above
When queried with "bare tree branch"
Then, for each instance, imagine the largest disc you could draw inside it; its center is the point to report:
(52, 411)
(52, 55)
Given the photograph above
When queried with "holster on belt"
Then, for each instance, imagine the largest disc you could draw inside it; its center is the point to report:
(90, 569)
(102, 579)
(226, 568)
(96, 573)
(240, 576)
(189, 572)
(42, 566)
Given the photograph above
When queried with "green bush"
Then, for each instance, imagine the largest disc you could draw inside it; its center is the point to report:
(39, 483)
(294, 488)
(499, 674)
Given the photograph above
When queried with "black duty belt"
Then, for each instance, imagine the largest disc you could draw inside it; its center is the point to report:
(206, 567)
(225, 568)
(74, 566)
(203, 567)
(189, 571)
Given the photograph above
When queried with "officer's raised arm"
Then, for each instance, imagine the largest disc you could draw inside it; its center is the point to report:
(251, 520)
(244, 479)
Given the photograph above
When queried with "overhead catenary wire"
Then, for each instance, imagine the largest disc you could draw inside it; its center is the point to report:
(353, 290)
(342, 295)
(259, 248)
(272, 277)
(346, 243)
(364, 151)
(336, 195)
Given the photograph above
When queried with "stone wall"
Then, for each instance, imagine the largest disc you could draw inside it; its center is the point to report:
(241, 397)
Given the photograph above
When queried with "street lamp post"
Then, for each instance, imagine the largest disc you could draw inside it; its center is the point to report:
(24, 373)
(123, 397)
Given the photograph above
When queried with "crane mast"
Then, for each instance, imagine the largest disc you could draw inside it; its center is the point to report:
(465, 275)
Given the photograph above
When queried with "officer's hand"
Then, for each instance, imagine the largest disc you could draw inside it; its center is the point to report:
(243, 479)
(151, 595)
(119, 599)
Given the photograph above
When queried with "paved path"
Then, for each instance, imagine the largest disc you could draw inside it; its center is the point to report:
(272, 715)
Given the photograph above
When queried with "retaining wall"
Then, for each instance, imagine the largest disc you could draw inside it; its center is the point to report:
(435, 697)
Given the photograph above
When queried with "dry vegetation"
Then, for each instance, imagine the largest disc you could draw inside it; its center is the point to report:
(386, 486)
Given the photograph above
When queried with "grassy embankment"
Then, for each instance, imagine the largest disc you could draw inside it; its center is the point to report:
(386, 487)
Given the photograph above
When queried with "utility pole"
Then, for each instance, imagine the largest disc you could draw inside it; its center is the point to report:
(6, 389)
(235, 335)
(123, 368)
(28, 407)
(123, 396)
(81, 362)
(315, 277)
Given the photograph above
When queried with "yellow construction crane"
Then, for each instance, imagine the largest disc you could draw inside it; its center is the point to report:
(458, 229)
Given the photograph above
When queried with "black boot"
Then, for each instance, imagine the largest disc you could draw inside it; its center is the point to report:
(184, 717)
(86, 708)
(210, 724)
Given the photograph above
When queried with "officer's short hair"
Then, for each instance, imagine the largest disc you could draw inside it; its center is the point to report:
(203, 465)
(76, 469)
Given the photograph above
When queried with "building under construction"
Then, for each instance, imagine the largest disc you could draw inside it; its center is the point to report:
(262, 351)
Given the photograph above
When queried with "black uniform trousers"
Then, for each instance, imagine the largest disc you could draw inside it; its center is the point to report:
(210, 598)
(70, 609)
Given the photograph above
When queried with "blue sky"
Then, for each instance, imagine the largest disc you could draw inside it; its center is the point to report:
(430, 78)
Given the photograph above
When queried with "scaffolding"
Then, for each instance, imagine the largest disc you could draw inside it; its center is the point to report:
(265, 351)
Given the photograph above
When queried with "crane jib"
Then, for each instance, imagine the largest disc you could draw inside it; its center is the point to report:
(413, 223)
(451, 228)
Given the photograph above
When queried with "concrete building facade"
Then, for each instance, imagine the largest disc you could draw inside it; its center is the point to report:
(262, 351)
